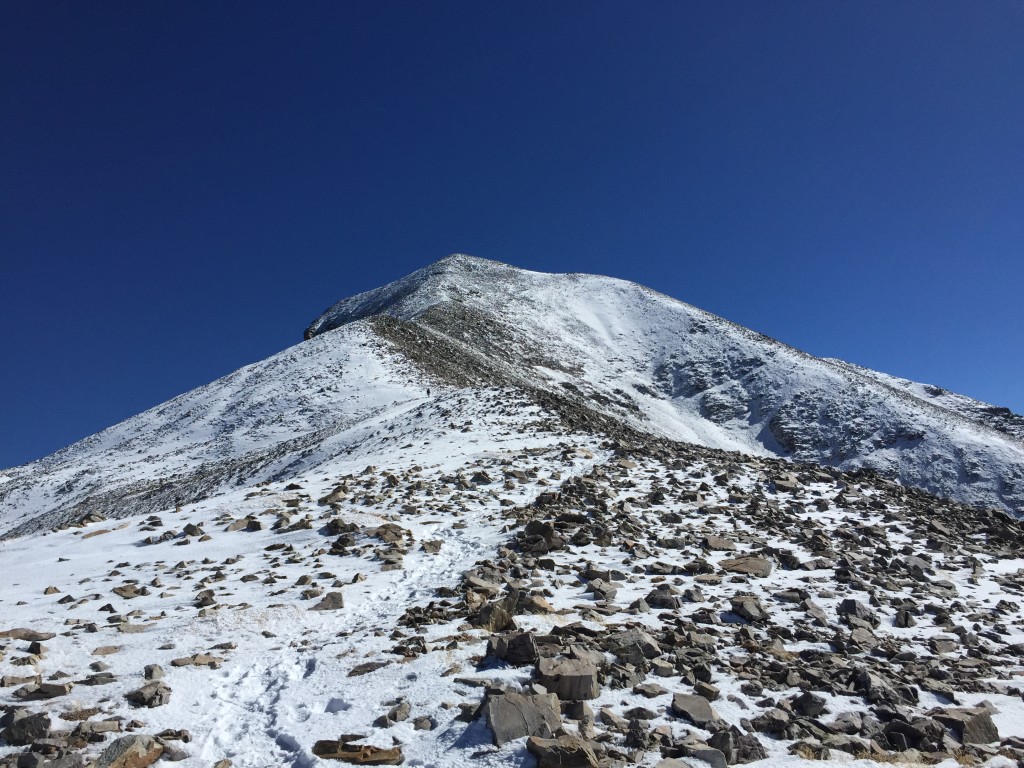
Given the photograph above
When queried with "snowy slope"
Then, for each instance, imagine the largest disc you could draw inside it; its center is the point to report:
(294, 409)
(477, 455)
(672, 369)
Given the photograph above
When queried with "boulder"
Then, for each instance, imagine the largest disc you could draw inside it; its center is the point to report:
(154, 694)
(332, 601)
(718, 544)
(517, 649)
(513, 715)
(750, 565)
(570, 679)
(694, 709)
(856, 609)
(130, 752)
(23, 731)
(972, 725)
(563, 752)
(809, 705)
(632, 645)
(748, 608)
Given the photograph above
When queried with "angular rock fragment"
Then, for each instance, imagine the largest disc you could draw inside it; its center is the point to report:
(154, 694)
(972, 725)
(332, 601)
(513, 715)
(517, 649)
(695, 709)
(358, 754)
(570, 679)
(563, 752)
(27, 729)
(750, 565)
(854, 608)
(130, 752)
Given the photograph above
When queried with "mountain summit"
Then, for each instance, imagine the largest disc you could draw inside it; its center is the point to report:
(485, 516)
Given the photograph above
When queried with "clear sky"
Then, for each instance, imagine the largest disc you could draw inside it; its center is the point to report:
(185, 185)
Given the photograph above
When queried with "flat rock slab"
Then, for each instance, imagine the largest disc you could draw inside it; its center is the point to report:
(357, 754)
(130, 752)
(23, 633)
(695, 709)
(563, 752)
(514, 715)
(750, 565)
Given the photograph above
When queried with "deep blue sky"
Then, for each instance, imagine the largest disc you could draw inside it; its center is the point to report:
(184, 186)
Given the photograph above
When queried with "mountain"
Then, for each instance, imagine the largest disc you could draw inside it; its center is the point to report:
(610, 347)
(485, 516)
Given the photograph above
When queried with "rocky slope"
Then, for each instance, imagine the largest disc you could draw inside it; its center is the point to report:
(671, 369)
(489, 517)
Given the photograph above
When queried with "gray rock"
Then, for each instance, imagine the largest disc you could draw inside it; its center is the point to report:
(663, 597)
(748, 608)
(154, 694)
(972, 725)
(632, 646)
(750, 565)
(809, 705)
(695, 709)
(850, 607)
(706, 690)
(563, 752)
(332, 601)
(718, 544)
(23, 731)
(130, 752)
(517, 649)
(709, 755)
(570, 679)
(153, 672)
(513, 715)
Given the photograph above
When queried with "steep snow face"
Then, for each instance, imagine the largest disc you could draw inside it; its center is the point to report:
(671, 369)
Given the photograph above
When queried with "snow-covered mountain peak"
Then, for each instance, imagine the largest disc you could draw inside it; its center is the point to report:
(445, 280)
(610, 355)
(668, 368)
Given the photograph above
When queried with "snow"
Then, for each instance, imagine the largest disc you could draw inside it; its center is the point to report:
(344, 407)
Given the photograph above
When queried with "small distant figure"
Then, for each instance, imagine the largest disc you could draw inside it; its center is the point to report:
(428, 391)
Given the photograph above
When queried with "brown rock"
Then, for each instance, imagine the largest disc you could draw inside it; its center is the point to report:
(357, 754)
(749, 565)
(563, 752)
(570, 679)
(130, 752)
